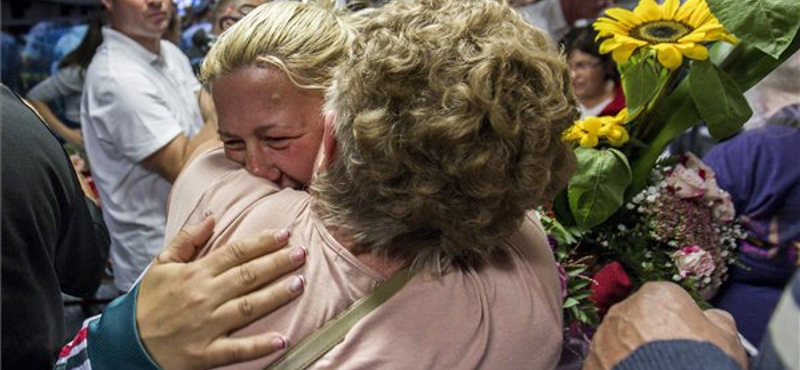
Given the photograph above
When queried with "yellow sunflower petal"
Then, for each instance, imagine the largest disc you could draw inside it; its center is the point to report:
(694, 36)
(610, 29)
(668, 55)
(670, 8)
(647, 11)
(624, 16)
(623, 53)
(609, 45)
(700, 15)
(685, 11)
(693, 51)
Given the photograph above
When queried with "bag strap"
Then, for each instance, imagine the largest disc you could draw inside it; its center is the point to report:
(310, 349)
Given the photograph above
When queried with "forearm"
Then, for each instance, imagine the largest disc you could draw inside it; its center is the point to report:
(173, 157)
(69, 134)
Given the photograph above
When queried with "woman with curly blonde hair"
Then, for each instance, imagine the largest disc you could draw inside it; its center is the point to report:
(442, 133)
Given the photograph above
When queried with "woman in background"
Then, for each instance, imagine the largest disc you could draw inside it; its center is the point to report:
(594, 76)
(68, 83)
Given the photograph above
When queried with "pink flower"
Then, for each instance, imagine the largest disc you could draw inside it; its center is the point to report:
(691, 177)
(693, 260)
(686, 182)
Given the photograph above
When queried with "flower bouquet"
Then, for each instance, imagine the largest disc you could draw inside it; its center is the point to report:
(680, 65)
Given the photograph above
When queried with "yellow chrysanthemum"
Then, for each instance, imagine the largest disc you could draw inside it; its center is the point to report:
(674, 31)
(585, 132)
(614, 130)
(588, 132)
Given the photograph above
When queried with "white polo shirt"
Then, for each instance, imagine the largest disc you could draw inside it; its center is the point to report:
(135, 102)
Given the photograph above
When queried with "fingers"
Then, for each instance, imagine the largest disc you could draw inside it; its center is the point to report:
(232, 350)
(256, 273)
(243, 310)
(238, 252)
(184, 246)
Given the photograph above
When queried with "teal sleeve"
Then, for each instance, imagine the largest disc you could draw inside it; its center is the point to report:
(677, 354)
(113, 340)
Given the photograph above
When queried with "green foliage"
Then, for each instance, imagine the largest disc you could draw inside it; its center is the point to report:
(769, 25)
(640, 82)
(718, 100)
(596, 189)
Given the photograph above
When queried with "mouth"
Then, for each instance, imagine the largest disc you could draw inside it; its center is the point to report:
(157, 16)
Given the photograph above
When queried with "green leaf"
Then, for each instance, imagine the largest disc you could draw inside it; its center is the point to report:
(569, 302)
(596, 189)
(718, 100)
(640, 82)
(769, 25)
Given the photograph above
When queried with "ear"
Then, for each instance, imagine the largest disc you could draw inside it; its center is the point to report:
(329, 143)
(107, 4)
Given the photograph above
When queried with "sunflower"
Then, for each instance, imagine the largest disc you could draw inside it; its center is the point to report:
(671, 29)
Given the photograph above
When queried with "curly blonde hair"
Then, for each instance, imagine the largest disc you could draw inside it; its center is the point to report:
(303, 39)
(449, 115)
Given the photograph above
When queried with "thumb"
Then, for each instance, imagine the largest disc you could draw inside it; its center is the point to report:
(184, 246)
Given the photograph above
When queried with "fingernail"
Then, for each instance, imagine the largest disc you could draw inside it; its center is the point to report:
(283, 235)
(298, 254)
(297, 284)
(279, 342)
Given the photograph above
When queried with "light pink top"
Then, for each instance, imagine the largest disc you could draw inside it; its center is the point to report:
(504, 316)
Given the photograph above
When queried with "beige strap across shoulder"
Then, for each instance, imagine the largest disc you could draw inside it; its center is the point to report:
(329, 335)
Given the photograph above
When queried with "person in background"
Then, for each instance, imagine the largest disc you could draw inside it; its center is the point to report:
(226, 13)
(661, 328)
(197, 18)
(595, 79)
(141, 119)
(765, 190)
(67, 83)
(557, 17)
(53, 237)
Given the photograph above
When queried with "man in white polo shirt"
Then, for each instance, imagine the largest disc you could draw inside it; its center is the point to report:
(141, 120)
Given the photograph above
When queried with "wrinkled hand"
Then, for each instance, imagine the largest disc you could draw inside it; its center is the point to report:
(186, 310)
(660, 311)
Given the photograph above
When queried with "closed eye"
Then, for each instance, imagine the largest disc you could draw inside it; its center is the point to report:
(236, 145)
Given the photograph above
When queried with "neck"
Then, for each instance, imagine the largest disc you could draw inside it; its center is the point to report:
(149, 43)
(608, 92)
(385, 266)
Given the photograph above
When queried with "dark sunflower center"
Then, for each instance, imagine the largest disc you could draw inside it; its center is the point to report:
(660, 31)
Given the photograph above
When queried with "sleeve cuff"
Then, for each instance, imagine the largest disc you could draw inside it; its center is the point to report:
(114, 339)
(677, 354)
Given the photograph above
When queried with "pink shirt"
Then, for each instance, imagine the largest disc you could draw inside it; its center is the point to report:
(504, 316)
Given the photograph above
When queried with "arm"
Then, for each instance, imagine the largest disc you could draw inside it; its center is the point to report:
(71, 135)
(169, 160)
(141, 329)
(646, 328)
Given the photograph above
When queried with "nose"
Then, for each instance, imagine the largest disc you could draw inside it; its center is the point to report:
(261, 165)
(573, 72)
